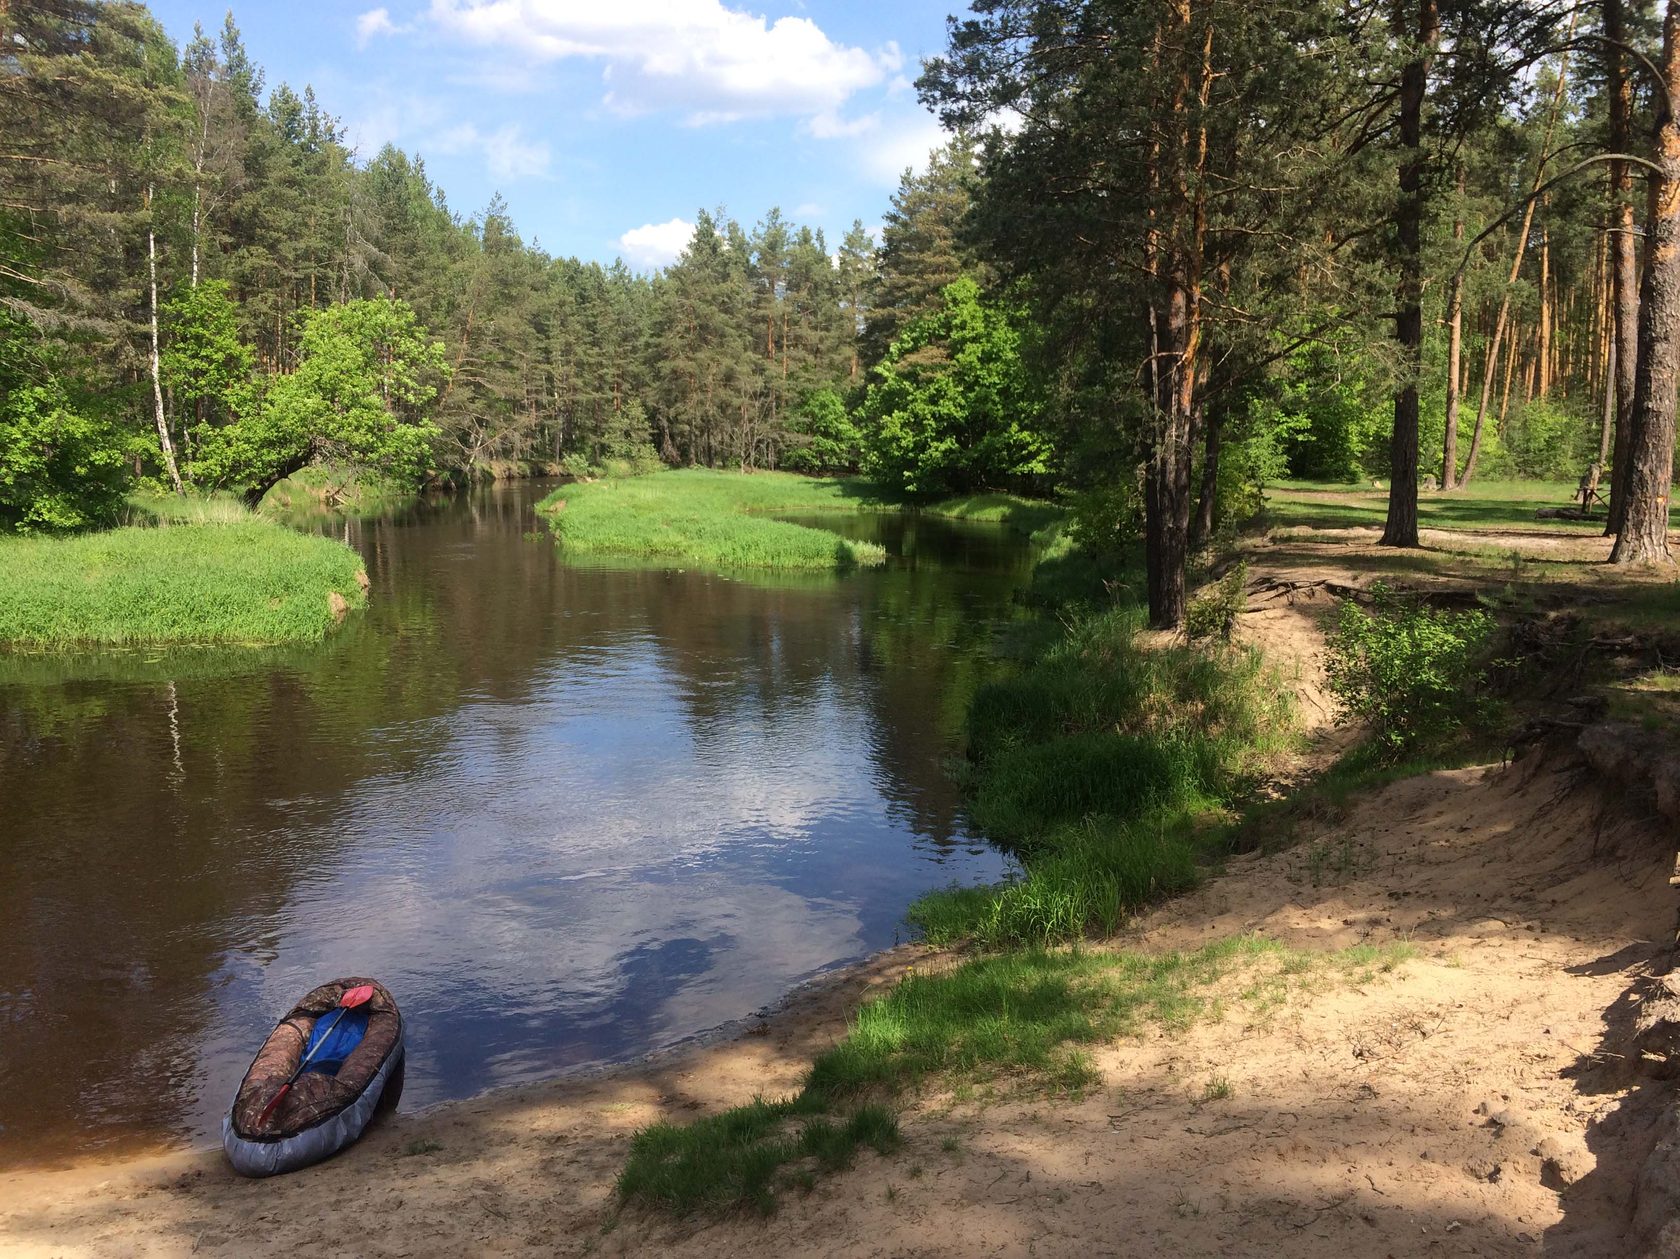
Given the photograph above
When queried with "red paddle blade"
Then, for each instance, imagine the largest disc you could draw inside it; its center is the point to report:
(268, 1110)
(359, 995)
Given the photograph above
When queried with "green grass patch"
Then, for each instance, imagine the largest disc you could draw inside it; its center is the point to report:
(728, 520)
(1102, 763)
(712, 519)
(1032, 516)
(330, 490)
(219, 507)
(1484, 505)
(247, 582)
(1027, 1019)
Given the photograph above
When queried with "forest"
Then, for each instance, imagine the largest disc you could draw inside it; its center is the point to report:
(1174, 252)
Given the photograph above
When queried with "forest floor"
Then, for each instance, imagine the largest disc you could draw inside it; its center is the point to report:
(1481, 1099)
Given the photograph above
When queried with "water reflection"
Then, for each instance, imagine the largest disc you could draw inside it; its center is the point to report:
(568, 814)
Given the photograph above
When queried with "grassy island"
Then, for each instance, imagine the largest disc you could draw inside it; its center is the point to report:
(215, 573)
(727, 519)
(712, 519)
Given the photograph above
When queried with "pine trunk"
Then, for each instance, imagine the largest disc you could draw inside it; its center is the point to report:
(1176, 333)
(1543, 362)
(1207, 499)
(1455, 353)
(1623, 267)
(1401, 527)
(1644, 535)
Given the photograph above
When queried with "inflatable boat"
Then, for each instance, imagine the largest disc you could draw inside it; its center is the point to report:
(325, 1070)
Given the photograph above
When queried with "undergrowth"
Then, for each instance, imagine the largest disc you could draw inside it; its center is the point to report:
(1103, 764)
(1415, 675)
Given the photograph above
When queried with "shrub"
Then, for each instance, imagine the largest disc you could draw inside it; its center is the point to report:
(60, 468)
(1214, 613)
(1412, 672)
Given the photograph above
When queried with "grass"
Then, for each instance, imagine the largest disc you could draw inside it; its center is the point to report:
(727, 520)
(1103, 764)
(208, 572)
(711, 519)
(1030, 516)
(1483, 505)
(1027, 1018)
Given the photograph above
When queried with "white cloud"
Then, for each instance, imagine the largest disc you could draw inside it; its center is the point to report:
(374, 22)
(884, 154)
(507, 153)
(828, 125)
(656, 244)
(716, 63)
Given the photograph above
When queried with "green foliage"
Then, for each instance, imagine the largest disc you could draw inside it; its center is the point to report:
(711, 519)
(1096, 761)
(1412, 672)
(1328, 422)
(246, 582)
(1544, 438)
(60, 467)
(952, 407)
(366, 371)
(1106, 520)
(205, 365)
(828, 440)
(1214, 612)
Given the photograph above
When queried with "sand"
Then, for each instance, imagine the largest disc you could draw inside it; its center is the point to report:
(1480, 1100)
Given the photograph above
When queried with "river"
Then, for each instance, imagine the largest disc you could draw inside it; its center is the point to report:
(568, 814)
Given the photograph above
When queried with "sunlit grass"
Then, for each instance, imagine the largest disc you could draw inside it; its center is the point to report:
(246, 581)
(710, 519)
(728, 520)
(1484, 505)
(1024, 1020)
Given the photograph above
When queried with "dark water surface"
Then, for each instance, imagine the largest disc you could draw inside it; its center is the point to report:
(568, 815)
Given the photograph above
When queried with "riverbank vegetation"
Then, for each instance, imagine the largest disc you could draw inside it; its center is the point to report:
(711, 519)
(224, 577)
(1023, 1020)
(1103, 763)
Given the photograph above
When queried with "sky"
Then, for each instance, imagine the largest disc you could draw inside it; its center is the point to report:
(605, 124)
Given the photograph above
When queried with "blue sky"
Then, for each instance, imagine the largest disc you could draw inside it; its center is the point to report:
(607, 123)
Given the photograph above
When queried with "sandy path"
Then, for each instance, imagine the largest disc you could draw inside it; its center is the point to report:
(1414, 1115)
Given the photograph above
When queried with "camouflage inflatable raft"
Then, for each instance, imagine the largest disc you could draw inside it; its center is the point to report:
(325, 1070)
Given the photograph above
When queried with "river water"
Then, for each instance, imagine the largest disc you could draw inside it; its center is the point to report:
(567, 814)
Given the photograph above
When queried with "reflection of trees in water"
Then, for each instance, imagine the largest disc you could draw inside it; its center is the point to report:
(909, 643)
(126, 880)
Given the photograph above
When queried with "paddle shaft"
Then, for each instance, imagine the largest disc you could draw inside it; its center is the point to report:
(351, 999)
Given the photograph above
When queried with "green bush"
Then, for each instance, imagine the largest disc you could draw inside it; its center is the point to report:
(1214, 613)
(1547, 439)
(60, 468)
(1414, 673)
